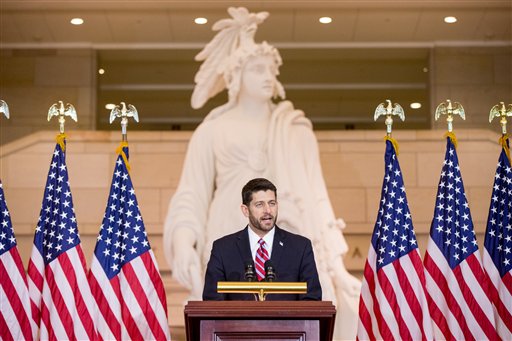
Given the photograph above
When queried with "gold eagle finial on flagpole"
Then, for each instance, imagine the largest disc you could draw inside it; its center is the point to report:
(450, 108)
(124, 111)
(502, 111)
(61, 110)
(4, 108)
(389, 110)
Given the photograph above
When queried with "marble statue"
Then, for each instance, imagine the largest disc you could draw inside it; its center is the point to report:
(245, 138)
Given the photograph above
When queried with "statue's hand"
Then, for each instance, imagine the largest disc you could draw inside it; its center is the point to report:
(344, 280)
(186, 265)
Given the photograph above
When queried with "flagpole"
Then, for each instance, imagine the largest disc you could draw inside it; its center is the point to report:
(389, 110)
(124, 276)
(496, 258)
(394, 281)
(61, 110)
(502, 111)
(449, 109)
(124, 111)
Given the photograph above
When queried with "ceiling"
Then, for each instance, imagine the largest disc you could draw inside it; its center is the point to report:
(337, 72)
(117, 23)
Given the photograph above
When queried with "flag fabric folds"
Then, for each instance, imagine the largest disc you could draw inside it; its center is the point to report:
(456, 283)
(16, 321)
(393, 304)
(57, 278)
(497, 255)
(124, 276)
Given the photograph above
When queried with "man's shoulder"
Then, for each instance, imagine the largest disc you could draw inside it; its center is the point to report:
(296, 238)
(230, 237)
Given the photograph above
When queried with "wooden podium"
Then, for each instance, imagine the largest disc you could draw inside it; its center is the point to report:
(255, 320)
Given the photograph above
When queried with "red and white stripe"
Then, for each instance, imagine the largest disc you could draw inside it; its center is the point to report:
(16, 321)
(458, 301)
(393, 304)
(132, 305)
(61, 297)
(500, 290)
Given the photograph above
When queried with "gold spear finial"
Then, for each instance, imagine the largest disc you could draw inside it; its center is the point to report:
(4, 108)
(61, 110)
(450, 108)
(124, 111)
(502, 111)
(389, 110)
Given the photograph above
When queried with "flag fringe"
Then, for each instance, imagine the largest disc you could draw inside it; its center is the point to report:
(503, 141)
(452, 137)
(121, 152)
(61, 140)
(393, 141)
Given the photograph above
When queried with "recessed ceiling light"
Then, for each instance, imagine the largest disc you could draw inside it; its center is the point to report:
(200, 21)
(77, 21)
(101, 71)
(450, 20)
(415, 105)
(325, 20)
(425, 69)
(110, 106)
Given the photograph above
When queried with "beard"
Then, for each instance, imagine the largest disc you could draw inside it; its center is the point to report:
(264, 224)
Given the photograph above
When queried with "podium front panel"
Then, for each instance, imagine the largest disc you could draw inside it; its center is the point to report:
(254, 320)
(260, 330)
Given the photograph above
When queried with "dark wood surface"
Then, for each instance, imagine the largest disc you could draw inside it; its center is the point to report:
(253, 320)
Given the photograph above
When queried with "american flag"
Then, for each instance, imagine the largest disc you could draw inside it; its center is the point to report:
(497, 255)
(124, 275)
(15, 312)
(456, 284)
(393, 305)
(57, 279)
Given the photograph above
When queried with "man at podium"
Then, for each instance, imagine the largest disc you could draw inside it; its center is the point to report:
(261, 251)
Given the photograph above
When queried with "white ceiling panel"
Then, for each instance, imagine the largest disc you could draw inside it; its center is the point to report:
(9, 32)
(308, 28)
(495, 24)
(33, 27)
(279, 26)
(140, 26)
(185, 30)
(386, 25)
(431, 25)
(95, 28)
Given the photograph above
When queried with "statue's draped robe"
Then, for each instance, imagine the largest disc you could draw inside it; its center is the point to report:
(226, 152)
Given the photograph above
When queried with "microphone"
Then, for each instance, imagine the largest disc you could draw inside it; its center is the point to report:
(270, 275)
(250, 275)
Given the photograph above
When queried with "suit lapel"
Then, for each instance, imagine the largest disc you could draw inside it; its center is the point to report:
(278, 247)
(244, 248)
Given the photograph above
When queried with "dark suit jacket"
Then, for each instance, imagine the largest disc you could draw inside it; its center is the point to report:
(292, 257)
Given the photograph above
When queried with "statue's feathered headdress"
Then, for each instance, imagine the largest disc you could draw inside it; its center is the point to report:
(233, 34)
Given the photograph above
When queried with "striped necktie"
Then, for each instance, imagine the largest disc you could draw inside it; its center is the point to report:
(261, 258)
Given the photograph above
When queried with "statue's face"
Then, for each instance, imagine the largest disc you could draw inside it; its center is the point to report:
(259, 77)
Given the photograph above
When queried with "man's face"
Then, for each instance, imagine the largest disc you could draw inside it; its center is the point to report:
(261, 211)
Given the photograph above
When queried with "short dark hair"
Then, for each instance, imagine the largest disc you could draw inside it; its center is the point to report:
(256, 185)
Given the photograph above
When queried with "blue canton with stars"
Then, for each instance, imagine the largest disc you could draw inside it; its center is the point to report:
(56, 230)
(393, 234)
(122, 234)
(7, 239)
(452, 226)
(498, 236)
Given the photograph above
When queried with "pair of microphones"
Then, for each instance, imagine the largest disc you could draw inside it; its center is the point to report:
(250, 273)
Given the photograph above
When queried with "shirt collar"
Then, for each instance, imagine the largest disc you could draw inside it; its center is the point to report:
(254, 239)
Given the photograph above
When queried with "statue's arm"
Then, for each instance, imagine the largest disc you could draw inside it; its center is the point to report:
(188, 210)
